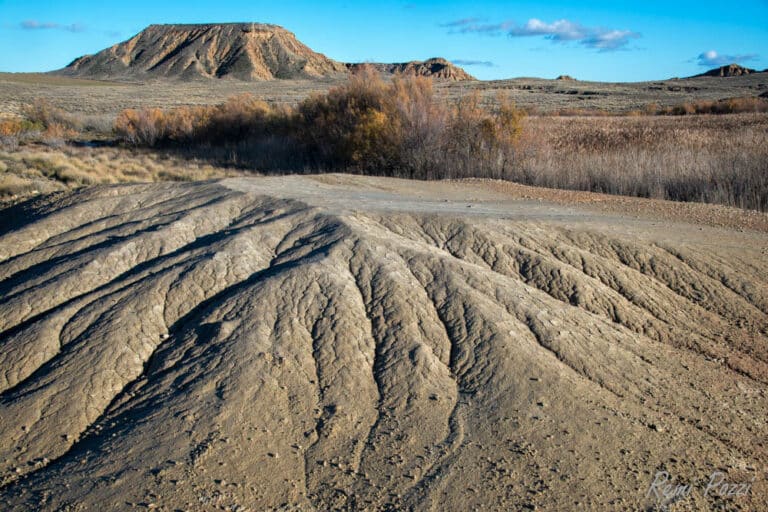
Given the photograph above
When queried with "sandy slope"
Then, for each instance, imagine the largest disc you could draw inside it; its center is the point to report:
(337, 342)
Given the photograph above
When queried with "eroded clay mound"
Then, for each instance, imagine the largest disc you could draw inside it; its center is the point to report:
(244, 51)
(437, 68)
(189, 346)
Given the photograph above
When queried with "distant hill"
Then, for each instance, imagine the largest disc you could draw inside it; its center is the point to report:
(244, 51)
(241, 51)
(729, 70)
(437, 68)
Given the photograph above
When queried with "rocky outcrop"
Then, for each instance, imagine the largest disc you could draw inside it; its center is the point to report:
(729, 70)
(438, 68)
(244, 51)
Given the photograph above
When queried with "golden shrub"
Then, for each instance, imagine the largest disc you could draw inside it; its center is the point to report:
(10, 127)
(141, 127)
(365, 124)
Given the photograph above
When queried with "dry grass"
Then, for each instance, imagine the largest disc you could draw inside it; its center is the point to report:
(54, 80)
(89, 97)
(369, 127)
(692, 158)
(740, 105)
(30, 170)
(715, 159)
(94, 98)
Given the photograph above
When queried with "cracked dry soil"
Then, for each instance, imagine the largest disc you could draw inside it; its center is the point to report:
(350, 343)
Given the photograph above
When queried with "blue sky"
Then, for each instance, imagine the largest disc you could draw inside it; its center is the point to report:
(602, 40)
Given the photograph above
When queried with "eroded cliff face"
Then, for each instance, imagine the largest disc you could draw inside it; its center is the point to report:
(244, 51)
(437, 68)
(729, 70)
(358, 343)
(241, 51)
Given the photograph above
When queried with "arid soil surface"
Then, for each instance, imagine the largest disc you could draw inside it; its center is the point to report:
(353, 343)
(91, 97)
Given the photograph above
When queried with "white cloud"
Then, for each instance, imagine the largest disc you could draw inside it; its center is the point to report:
(714, 59)
(46, 25)
(485, 63)
(477, 25)
(559, 31)
(563, 30)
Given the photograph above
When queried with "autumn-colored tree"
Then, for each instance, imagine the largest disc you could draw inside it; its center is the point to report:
(423, 123)
(351, 125)
(367, 124)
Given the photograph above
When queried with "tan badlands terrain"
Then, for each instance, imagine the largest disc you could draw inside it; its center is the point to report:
(350, 343)
(245, 51)
(437, 68)
(729, 71)
(242, 51)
